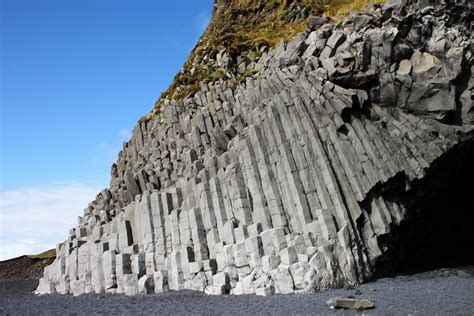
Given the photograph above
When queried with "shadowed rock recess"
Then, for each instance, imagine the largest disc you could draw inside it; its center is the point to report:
(338, 159)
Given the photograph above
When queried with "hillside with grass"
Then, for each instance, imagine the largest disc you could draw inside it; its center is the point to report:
(240, 31)
(28, 267)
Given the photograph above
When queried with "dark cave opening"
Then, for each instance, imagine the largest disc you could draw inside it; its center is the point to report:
(438, 231)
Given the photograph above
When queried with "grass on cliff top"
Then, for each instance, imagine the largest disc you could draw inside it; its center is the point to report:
(51, 253)
(236, 26)
(246, 25)
(342, 9)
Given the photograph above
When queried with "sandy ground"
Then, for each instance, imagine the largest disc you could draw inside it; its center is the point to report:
(439, 292)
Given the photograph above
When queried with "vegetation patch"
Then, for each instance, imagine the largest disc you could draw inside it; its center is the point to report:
(51, 253)
(341, 9)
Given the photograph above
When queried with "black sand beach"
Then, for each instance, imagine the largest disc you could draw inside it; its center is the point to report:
(439, 292)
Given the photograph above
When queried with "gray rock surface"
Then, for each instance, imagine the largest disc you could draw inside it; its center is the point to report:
(282, 183)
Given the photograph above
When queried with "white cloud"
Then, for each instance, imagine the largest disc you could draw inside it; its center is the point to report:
(201, 20)
(35, 219)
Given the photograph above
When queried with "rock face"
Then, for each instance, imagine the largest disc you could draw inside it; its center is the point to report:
(293, 180)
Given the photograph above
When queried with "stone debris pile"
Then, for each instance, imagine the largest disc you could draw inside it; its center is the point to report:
(283, 183)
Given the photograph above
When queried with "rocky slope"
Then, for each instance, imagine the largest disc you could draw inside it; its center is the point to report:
(313, 171)
(24, 267)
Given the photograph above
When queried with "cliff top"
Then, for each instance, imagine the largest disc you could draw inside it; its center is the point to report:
(239, 31)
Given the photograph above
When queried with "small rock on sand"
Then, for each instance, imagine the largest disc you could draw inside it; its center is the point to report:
(350, 302)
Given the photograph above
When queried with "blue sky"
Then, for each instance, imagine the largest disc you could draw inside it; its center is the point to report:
(75, 78)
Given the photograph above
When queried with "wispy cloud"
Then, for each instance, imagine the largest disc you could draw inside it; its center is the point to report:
(34, 219)
(179, 46)
(125, 134)
(27, 242)
(201, 20)
(106, 152)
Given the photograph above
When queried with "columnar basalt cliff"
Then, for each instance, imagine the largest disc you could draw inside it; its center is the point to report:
(315, 169)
